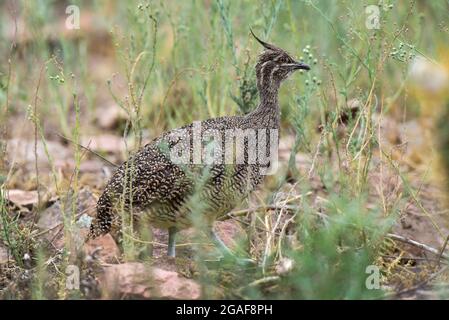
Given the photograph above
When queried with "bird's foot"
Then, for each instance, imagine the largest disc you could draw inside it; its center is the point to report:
(227, 255)
(245, 262)
(228, 258)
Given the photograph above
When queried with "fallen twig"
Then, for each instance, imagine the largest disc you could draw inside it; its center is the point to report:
(258, 282)
(417, 244)
(411, 258)
(418, 286)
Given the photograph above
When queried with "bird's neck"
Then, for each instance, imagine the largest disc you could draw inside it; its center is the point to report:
(267, 113)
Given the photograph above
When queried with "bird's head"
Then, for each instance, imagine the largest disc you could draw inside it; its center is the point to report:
(274, 65)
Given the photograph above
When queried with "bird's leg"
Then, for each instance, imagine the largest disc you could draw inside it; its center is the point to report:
(219, 243)
(171, 252)
(226, 251)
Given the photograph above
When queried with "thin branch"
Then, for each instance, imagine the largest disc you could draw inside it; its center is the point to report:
(258, 282)
(36, 166)
(417, 244)
(442, 250)
(88, 149)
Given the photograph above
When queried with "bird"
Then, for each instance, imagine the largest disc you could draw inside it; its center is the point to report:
(156, 184)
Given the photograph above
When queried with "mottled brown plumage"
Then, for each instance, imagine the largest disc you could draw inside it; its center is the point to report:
(150, 183)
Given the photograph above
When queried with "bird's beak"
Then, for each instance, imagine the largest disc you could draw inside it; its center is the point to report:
(300, 66)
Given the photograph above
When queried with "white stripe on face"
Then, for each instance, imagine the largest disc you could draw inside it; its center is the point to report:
(265, 65)
(262, 71)
(276, 68)
(288, 65)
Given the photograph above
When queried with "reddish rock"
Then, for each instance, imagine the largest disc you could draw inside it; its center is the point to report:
(135, 280)
(22, 198)
(105, 248)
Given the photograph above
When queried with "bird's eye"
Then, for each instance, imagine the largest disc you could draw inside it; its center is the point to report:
(283, 60)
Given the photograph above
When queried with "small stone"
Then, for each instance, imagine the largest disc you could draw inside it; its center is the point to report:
(104, 247)
(84, 221)
(284, 266)
(22, 198)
